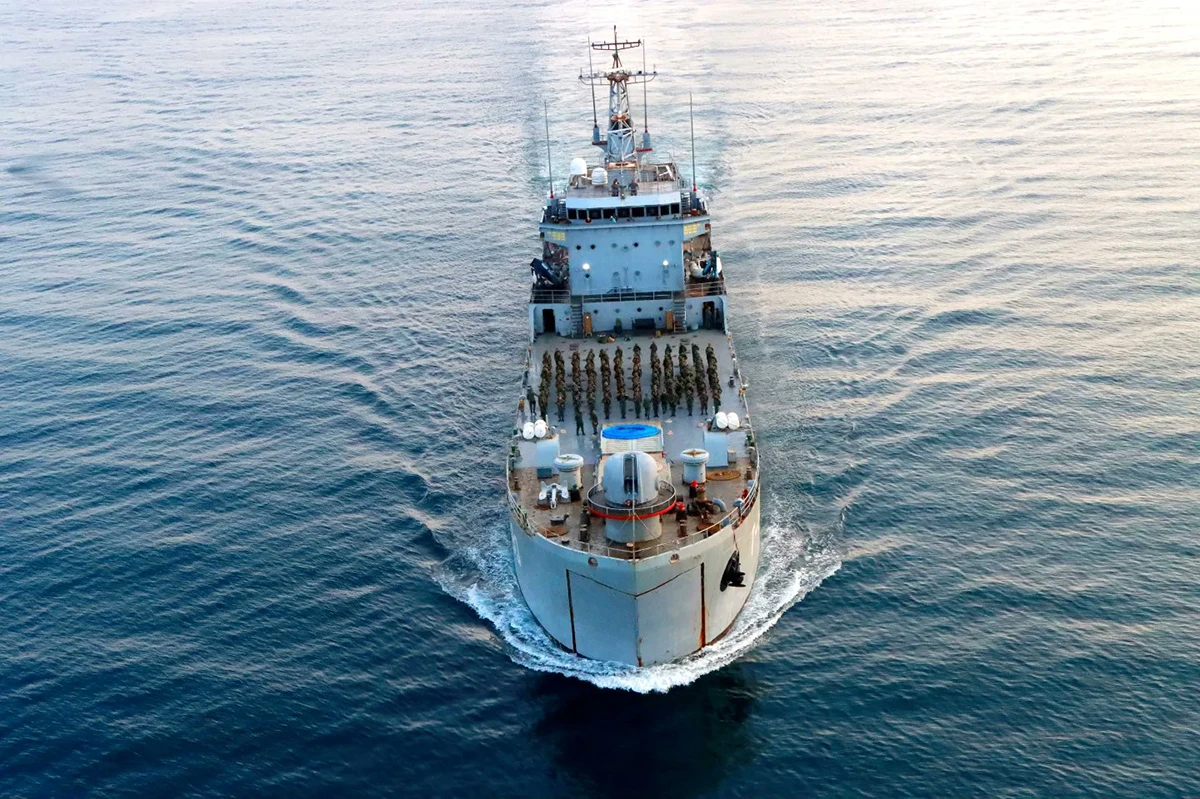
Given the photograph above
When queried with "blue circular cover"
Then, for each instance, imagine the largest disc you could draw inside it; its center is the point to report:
(628, 432)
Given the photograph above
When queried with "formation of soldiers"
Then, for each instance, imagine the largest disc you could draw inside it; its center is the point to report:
(696, 379)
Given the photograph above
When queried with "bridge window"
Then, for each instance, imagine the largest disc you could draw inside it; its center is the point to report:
(594, 213)
(639, 211)
(622, 213)
(675, 208)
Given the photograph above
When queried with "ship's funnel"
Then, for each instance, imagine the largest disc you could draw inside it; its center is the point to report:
(694, 461)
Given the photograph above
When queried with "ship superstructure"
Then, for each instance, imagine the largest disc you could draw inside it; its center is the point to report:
(633, 475)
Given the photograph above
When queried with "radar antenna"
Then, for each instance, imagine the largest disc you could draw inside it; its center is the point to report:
(620, 151)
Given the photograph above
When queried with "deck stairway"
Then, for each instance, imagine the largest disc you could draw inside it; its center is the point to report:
(679, 307)
(577, 316)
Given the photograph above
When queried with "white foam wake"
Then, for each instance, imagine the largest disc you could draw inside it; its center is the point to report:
(792, 564)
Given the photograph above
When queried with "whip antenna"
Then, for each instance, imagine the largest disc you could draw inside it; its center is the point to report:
(549, 164)
(645, 102)
(692, 122)
(592, 83)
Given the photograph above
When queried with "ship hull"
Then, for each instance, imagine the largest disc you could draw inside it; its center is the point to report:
(638, 612)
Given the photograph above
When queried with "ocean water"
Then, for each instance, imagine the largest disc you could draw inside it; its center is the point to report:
(261, 319)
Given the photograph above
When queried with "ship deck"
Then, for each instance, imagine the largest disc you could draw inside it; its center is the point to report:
(566, 523)
(646, 188)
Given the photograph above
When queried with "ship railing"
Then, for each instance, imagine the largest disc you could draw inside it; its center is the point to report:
(599, 504)
(705, 288)
(690, 208)
(627, 295)
(649, 182)
(541, 294)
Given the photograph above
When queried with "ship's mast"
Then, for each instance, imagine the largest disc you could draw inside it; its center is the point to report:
(620, 149)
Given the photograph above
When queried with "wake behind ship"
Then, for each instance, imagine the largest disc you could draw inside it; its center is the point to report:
(633, 475)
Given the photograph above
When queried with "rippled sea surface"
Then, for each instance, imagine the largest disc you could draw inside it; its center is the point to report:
(261, 316)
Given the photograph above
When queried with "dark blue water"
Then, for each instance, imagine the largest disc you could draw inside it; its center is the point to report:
(261, 319)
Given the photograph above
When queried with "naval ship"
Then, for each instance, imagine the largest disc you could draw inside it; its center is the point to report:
(633, 475)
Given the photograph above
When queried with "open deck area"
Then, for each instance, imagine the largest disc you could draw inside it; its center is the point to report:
(732, 473)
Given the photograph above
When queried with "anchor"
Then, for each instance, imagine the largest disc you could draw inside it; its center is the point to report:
(733, 573)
